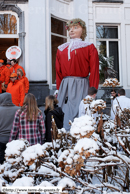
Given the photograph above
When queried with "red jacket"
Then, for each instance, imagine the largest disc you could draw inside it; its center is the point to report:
(1, 69)
(83, 61)
(5, 75)
(25, 82)
(14, 68)
(16, 89)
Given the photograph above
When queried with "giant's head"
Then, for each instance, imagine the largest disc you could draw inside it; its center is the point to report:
(76, 28)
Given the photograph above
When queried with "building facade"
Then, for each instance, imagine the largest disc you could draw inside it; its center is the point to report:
(38, 27)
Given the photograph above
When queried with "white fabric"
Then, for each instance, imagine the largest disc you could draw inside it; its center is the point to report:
(84, 109)
(73, 44)
(124, 103)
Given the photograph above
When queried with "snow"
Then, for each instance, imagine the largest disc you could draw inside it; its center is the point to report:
(65, 154)
(109, 158)
(66, 182)
(1, 183)
(109, 125)
(47, 145)
(23, 182)
(76, 156)
(19, 146)
(82, 125)
(14, 160)
(13, 173)
(115, 192)
(86, 144)
(46, 184)
(48, 171)
(32, 152)
(111, 82)
(60, 131)
(32, 167)
(98, 103)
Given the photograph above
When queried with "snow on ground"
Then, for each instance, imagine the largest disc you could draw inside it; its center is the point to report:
(45, 170)
(24, 181)
(66, 182)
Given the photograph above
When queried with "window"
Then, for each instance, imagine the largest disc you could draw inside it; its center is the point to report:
(8, 24)
(107, 42)
(58, 37)
(8, 31)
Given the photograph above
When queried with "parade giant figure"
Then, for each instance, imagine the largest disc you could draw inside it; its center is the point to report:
(77, 69)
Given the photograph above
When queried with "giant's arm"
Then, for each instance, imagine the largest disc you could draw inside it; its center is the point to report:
(58, 71)
(94, 67)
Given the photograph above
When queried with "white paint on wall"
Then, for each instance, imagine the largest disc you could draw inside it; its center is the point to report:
(127, 13)
(61, 9)
(24, 7)
(81, 11)
(108, 12)
(37, 40)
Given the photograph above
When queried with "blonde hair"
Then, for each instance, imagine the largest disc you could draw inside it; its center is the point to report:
(31, 105)
(78, 21)
(20, 71)
(50, 101)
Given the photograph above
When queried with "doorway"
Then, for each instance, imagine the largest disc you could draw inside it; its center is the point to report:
(5, 43)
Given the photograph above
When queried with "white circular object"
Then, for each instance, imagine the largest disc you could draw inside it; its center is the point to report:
(13, 52)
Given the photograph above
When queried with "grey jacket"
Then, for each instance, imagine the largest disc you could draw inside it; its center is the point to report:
(7, 113)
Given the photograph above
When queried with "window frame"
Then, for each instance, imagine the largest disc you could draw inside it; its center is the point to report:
(107, 43)
(11, 35)
(58, 35)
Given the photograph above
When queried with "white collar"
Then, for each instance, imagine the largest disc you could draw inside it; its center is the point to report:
(73, 44)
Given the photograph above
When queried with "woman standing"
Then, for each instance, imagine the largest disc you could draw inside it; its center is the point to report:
(28, 122)
(52, 109)
(23, 79)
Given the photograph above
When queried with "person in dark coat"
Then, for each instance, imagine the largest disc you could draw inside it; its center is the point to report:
(52, 109)
(7, 113)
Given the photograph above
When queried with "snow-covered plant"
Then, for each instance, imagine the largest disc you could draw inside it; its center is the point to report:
(111, 82)
(82, 127)
(97, 162)
(97, 105)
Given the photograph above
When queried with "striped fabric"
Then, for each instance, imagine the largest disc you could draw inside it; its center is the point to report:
(33, 131)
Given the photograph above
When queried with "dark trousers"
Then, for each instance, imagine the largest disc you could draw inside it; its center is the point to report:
(2, 152)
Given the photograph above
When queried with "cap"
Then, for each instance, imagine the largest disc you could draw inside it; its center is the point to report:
(13, 75)
(1, 61)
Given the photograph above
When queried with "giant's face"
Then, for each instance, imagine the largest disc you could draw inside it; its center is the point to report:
(75, 31)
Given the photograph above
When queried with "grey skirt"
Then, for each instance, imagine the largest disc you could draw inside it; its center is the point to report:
(72, 90)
